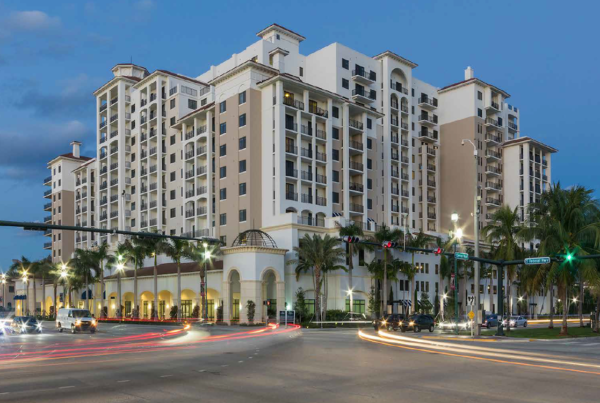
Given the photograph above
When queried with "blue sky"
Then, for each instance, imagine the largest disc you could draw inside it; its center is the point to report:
(53, 54)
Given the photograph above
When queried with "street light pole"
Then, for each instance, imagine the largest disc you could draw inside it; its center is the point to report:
(457, 234)
(476, 279)
(500, 331)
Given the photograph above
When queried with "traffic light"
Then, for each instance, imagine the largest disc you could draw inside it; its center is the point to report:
(351, 239)
(389, 244)
(438, 251)
(569, 257)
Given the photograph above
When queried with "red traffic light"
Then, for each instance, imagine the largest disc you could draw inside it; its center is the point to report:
(389, 244)
(351, 239)
(438, 251)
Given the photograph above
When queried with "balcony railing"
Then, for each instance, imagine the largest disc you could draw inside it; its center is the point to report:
(321, 157)
(317, 111)
(513, 126)
(356, 145)
(316, 222)
(371, 76)
(433, 119)
(291, 149)
(492, 122)
(291, 126)
(492, 137)
(306, 198)
(321, 201)
(493, 154)
(430, 102)
(356, 124)
(292, 173)
(358, 208)
(357, 166)
(360, 92)
(398, 87)
(355, 186)
(321, 178)
(291, 196)
(306, 175)
(289, 101)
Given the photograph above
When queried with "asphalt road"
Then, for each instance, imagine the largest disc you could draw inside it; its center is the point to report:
(128, 363)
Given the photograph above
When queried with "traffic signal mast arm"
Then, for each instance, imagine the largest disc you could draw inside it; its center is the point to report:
(439, 251)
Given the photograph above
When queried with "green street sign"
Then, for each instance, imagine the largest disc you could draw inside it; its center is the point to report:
(537, 260)
(461, 256)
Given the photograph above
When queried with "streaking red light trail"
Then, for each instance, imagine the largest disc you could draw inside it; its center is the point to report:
(23, 353)
(518, 358)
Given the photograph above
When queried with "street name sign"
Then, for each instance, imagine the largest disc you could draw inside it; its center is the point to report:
(537, 260)
(461, 256)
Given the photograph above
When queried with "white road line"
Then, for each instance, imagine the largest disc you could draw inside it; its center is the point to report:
(165, 376)
(4, 393)
(66, 387)
(201, 370)
(250, 358)
(123, 381)
(590, 344)
(239, 362)
(225, 365)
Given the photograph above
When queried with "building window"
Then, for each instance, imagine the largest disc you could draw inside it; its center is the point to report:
(242, 215)
(369, 144)
(172, 103)
(479, 95)
(345, 83)
(336, 197)
(223, 194)
(370, 204)
(242, 98)
(369, 123)
(243, 120)
(192, 104)
(242, 142)
(370, 184)
(345, 64)
(172, 157)
(335, 112)
(301, 72)
(242, 189)
(335, 155)
(222, 172)
(223, 219)
(173, 139)
(173, 212)
(223, 107)
(223, 128)
(479, 112)
(336, 133)
(336, 176)
(369, 163)
(173, 194)
(242, 166)
(172, 122)
(223, 150)
(222, 238)
(172, 175)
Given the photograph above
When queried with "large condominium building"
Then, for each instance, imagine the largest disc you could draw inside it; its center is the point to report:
(295, 144)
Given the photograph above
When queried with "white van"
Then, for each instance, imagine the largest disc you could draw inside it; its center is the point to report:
(75, 319)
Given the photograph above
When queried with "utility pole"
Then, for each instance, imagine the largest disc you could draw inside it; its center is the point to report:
(500, 331)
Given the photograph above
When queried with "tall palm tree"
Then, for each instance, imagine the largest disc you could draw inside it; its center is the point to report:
(137, 252)
(419, 240)
(319, 253)
(352, 248)
(566, 221)
(103, 259)
(44, 268)
(382, 235)
(197, 253)
(175, 249)
(120, 256)
(21, 269)
(153, 246)
(83, 263)
(504, 231)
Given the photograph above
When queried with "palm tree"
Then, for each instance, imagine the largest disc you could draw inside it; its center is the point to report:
(153, 246)
(352, 249)
(100, 255)
(566, 221)
(198, 254)
(23, 269)
(385, 234)
(504, 231)
(44, 268)
(175, 249)
(319, 253)
(122, 256)
(137, 252)
(416, 241)
(83, 263)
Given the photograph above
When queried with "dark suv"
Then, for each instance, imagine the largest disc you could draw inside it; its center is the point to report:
(418, 322)
(388, 322)
(490, 321)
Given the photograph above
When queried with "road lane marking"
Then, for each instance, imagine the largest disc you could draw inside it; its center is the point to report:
(165, 376)
(225, 365)
(66, 387)
(123, 381)
(239, 362)
(201, 370)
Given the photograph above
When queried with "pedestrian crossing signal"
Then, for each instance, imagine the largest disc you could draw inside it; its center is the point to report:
(351, 239)
(438, 251)
(389, 244)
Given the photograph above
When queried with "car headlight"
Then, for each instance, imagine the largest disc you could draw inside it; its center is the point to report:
(411, 323)
(93, 322)
(384, 322)
(77, 322)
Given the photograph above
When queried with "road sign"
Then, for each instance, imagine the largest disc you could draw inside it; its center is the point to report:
(537, 260)
(471, 300)
(461, 256)
(471, 315)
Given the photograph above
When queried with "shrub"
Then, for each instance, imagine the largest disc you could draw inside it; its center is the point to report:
(251, 310)
(220, 313)
(336, 314)
(173, 312)
(196, 312)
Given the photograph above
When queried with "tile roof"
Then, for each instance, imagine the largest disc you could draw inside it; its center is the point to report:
(281, 28)
(474, 79)
(71, 156)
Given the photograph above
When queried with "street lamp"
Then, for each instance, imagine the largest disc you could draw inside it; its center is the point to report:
(350, 293)
(120, 268)
(476, 231)
(457, 235)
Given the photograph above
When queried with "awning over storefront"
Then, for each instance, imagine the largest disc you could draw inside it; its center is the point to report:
(20, 297)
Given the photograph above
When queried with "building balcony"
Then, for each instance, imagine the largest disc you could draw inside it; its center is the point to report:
(512, 127)
(356, 125)
(306, 176)
(355, 187)
(364, 96)
(428, 103)
(47, 245)
(493, 186)
(428, 120)
(312, 221)
(291, 149)
(395, 173)
(48, 193)
(48, 181)
(492, 122)
(395, 191)
(396, 86)
(291, 196)
(492, 170)
(429, 136)
(490, 154)
(492, 201)
(291, 127)
(493, 138)
(492, 107)
(317, 111)
(355, 146)
(355, 166)
(356, 208)
(306, 198)
(320, 134)
(321, 157)
(364, 77)
(321, 179)
(291, 173)
(306, 130)
(47, 219)
(294, 103)
(431, 216)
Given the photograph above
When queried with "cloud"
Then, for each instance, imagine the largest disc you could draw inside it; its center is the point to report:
(25, 152)
(31, 21)
(145, 5)
(74, 97)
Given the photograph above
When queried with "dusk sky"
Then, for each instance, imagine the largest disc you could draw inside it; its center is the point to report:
(54, 54)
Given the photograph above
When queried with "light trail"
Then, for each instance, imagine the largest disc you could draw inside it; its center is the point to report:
(470, 352)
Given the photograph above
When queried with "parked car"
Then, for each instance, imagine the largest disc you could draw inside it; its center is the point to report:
(388, 322)
(26, 324)
(463, 323)
(490, 321)
(75, 320)
(515, 321)
(418, 322)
